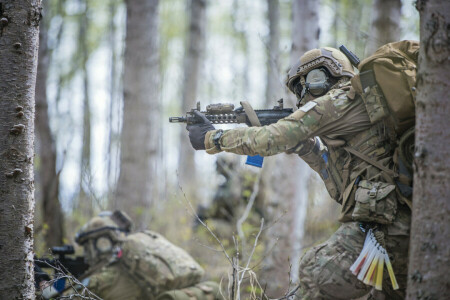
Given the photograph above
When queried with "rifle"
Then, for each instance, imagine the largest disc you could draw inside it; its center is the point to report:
(75, 266)
(224, 113)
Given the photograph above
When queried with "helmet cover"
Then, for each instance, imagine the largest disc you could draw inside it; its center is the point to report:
(332, 59)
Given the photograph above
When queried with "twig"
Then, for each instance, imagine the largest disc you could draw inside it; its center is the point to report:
(61, 273)
(247, 210)
(193, 212)
(251, 254)
(291, 293)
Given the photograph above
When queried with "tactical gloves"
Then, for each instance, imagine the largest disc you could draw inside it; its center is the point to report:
(198, 131)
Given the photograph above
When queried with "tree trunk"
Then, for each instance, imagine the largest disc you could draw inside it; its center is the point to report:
(19, 34)
(48, 182)
(84, 200)
(192, 70)
(430, 230)
(113, 98)
(241, 47)
(273, 80)
(139, 140)
(385, 24)
(287, 199)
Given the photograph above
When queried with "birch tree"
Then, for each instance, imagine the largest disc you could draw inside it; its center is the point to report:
(19, 34)
(84, 201)
(141, 110)
(273, 83)
(430, 230)
(48, 177)
(386, 16)
(287, 175)
(192, 70)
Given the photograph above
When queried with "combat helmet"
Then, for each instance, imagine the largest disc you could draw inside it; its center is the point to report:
(334, 63)
(102, 233)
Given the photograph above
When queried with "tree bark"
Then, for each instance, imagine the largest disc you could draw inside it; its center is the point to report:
(114, 102)
(84, 200)
(140, 133)
(19, 34)
(192, 71)
(287, 199)
(385, 24)
(48, 182)
(241, 51)
(273, 80)
(430, 230)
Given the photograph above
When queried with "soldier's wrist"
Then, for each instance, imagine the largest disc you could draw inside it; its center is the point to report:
(210, 147)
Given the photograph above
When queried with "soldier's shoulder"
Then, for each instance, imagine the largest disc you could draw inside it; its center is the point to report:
(337, 97)
(341, 92)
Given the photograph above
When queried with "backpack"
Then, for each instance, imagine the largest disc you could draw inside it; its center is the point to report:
(386, 82)
(157, 265)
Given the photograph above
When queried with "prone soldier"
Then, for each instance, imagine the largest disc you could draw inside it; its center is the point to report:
(140, 265)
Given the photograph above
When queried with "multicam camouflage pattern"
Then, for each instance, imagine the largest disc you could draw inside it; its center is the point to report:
(375, 202)
(208, 290)
(329, 117)
(324, 269)
(113, 282)
(146, 265)
(155, 262)
(338, 120)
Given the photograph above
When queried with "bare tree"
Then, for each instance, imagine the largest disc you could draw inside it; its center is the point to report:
(430, 231)
(48, 182)
(84, 201)
(288, 175)
(139, 139)
(385, 24)
(192, 70)
(273, 83)
(19, 34)
(114, 95)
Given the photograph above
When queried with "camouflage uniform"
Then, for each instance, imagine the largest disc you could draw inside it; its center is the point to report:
(231, 199)
(319, 132)
(141, 265)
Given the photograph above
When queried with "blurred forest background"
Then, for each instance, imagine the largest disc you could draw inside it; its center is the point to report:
(110, 74)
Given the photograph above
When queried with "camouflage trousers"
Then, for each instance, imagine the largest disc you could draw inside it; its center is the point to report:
(324, 269)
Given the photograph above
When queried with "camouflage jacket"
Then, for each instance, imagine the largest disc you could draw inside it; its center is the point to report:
(321, 133)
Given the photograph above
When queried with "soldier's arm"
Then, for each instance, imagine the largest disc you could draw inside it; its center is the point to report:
(287, 133)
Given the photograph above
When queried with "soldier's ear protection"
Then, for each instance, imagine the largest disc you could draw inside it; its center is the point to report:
(317, 83)
(103, 244)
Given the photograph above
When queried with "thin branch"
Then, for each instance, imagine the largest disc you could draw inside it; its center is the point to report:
(194, 213)
(247, 210)
(253, 251)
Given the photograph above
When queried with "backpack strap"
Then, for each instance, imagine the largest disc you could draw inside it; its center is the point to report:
(371, 161)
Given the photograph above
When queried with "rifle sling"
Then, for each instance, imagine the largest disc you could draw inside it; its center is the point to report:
(251, 114)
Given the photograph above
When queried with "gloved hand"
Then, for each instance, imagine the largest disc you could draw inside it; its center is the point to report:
(198, 131)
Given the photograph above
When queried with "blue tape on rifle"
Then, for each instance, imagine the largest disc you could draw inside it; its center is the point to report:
(60, 284)
(256, 161)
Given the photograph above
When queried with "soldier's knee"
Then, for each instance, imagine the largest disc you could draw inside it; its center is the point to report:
(324, 274)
